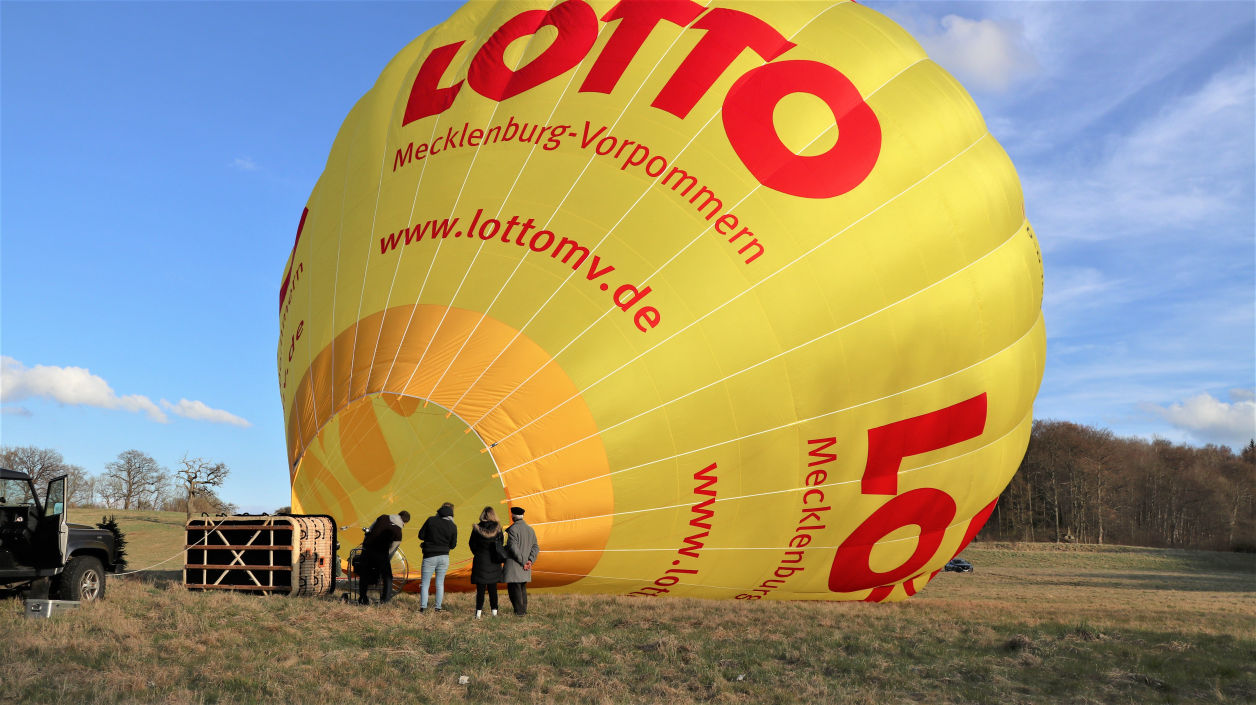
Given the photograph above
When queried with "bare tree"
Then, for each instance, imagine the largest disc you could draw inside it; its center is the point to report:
(79, 486)
(41, 464)
(198, 478)
(132, 480)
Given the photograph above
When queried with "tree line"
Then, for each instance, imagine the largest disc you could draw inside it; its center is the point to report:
(1082, 484)
(134, 480)
(1075, 484)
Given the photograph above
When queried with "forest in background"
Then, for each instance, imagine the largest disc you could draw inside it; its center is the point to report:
(1076, 484)
(1080, 484)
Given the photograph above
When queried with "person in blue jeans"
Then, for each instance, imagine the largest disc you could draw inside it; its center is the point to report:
(439, 536)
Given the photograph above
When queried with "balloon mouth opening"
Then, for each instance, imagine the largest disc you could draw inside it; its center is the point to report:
(407, 452)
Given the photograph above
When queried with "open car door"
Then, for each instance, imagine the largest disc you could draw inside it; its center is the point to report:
(52, 533)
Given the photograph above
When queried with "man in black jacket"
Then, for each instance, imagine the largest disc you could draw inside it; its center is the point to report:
(378, 547)
(440, 536)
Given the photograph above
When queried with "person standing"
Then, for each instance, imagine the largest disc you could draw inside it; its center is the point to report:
(378, 547)
(521, 552)
(440, 536)
(486, 560)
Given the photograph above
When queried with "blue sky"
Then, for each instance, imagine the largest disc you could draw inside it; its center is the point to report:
(155, 157)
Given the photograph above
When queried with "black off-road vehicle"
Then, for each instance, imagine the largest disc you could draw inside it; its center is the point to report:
(43, 555)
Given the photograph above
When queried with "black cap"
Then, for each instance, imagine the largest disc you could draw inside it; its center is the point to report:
(516, 511)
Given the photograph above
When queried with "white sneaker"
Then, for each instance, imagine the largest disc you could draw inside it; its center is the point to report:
(494, 613)
(477, 613)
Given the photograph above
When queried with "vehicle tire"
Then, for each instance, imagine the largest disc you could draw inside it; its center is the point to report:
(83, 580)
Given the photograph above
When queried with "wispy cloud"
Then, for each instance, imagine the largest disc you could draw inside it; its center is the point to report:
(77, 386)
(1211, 420)
(74, 386)
(1181, 167)
(15, 411)
(987, 54)
(199, 411)
(245, 164)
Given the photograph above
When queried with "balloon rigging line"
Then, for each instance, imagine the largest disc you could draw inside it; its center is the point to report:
(1013, 429)
(556, 291)
(432, 263)
(366, 269)
(309, 302)
(752, 288)
(690, 244)
(585, 576)
(574, 71)
(574, 182)
(605, 237)
(698, 237)
(812, 546)
(436, 255)
(409, 218)
(778, 596)
(483, 245)
(791, 424)
(783, 353)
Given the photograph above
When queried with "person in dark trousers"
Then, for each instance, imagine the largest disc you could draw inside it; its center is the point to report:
(440, 536)
(381, 542)
(486, 560)
(521, 552)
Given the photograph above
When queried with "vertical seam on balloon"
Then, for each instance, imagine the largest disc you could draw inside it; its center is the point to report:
(803, 345)
(454, 359)
(431, 265)
(366, 269)
(1011, 430)
(331, 399)
(646, 191)
(474, 157)
(769, 277)
(605, 237)
(549, 220)
(949, 527)
(423, 52)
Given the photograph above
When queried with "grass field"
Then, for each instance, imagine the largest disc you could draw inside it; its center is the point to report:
(1035, 624)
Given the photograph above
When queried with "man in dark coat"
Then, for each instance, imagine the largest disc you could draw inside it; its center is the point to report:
(378, 547)
(521, 552)
(440, 536)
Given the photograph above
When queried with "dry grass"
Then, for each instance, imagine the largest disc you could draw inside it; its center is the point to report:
(1031, 626)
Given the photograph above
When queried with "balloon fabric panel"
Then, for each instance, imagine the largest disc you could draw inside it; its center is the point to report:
(737, 300)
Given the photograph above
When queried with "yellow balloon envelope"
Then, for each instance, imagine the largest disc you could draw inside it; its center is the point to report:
(736, 301)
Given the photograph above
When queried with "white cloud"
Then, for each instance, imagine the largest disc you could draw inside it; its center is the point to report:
(15, 411)
(77, 386)
(245, 164)
(199, 411)
(987, 54)
(1214, 421)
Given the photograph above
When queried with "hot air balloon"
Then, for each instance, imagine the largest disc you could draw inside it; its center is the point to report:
(738, 301)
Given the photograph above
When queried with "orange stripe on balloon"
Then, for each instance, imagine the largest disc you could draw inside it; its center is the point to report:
(461, 367)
